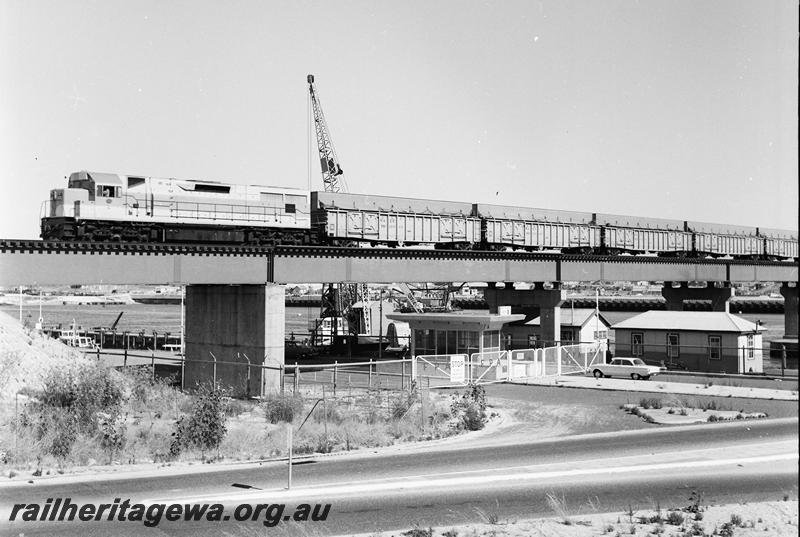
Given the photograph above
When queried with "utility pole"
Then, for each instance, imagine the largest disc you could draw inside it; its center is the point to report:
(380, 327)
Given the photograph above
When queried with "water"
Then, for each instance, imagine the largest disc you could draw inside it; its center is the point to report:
(136, 317)
(167, 318)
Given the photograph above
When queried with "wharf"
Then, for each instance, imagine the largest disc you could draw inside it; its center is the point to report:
(740, 304)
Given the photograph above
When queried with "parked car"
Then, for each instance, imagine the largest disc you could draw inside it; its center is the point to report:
(634, 368)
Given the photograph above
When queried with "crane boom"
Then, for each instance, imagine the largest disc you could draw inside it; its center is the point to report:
(332, 174)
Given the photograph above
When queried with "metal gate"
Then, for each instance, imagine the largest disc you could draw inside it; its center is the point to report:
(452, 370)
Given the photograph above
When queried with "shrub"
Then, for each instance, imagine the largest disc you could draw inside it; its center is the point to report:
(205, 427)
(280, 408)
(469, 410)
(736, 520)
(112, 434)
(675, 518)
(85, 389)
(56, 431)
(472, 417)
(650, 402)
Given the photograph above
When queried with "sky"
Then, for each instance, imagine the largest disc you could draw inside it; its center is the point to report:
(683, 109)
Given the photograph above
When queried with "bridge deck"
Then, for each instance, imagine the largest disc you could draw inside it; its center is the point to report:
(61, 263)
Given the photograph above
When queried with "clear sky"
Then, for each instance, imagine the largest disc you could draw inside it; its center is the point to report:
(681, 109)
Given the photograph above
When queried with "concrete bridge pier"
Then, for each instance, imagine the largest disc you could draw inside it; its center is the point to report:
(789, 310)
(234, 323)
(719, 296)
(537, 301)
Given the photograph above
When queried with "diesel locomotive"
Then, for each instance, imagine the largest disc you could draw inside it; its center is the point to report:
(133, 208)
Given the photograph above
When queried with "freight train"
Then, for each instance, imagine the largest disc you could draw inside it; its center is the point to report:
(131, 208)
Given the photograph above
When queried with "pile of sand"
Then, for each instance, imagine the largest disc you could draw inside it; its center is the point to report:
(26, 355)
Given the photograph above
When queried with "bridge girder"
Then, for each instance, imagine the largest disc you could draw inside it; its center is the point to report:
(184, 265)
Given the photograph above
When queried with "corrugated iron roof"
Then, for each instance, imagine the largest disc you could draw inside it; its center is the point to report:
(571, 317)
(703, 321)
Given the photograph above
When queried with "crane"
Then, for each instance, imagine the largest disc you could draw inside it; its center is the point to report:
(332, 174)
(336, 299)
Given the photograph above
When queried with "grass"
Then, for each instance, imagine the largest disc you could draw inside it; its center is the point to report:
(140, 425)
(558, 504)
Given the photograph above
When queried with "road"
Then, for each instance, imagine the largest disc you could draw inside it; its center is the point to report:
(450, 484)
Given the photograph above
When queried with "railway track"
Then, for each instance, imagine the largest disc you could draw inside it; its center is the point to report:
(124, 248)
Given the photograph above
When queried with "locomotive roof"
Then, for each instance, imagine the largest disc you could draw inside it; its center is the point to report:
(97, 177)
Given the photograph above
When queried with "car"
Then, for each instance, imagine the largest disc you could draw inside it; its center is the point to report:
(634, 368)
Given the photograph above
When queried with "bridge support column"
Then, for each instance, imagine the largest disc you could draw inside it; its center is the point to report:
(719, 296)
(789, 310)
(233, 324)
(544, 302)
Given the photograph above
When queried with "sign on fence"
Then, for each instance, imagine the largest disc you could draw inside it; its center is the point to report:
(457, 370)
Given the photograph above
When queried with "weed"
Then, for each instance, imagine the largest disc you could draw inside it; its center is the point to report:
(696, 530)
(726, 530)
(559, 506)
(695, 499)
(450, 533)
(671, 411)
(713, 418)
(650, 402)
(736, 520)
(491, 517)
(416, 531)
(675, 518)
(284, 408)
(684, 412)
(609, 528)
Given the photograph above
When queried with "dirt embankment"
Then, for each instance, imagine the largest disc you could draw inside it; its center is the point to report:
(25, 355)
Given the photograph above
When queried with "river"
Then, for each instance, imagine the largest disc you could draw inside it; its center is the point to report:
(167, 317)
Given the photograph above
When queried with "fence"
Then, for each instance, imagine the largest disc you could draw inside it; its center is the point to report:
(434, 371)
(336, 376)
(451, 370)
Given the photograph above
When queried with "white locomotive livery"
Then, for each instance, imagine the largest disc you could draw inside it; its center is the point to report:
(131, 208)
(111, 207)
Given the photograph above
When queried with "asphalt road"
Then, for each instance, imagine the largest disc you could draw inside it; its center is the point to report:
(395, 489)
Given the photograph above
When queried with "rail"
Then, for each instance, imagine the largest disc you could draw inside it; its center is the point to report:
(132, 248)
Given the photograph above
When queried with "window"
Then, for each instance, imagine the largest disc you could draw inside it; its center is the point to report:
(217, 189)
(751, 347)
(714, 347)
(107, 191)
(637, 346)
(289, 208)
(533, 340)
(491, 340)
(135, 181)
(673, 346)
(566, 336)
(467, 339)
(600, 334)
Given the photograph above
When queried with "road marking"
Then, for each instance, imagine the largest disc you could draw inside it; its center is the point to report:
(453, 480)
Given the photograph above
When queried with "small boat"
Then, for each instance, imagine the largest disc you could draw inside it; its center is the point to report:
(73, 338)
